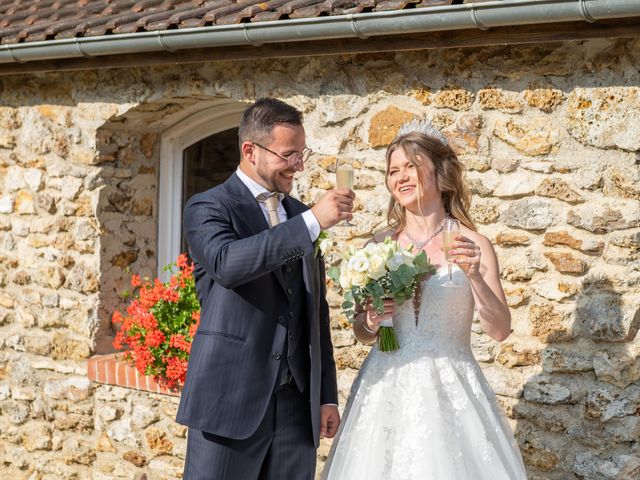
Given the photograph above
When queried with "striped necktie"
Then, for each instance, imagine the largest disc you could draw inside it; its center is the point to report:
(271, 201)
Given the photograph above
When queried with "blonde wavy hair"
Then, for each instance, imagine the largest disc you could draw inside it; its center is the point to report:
(420, 149)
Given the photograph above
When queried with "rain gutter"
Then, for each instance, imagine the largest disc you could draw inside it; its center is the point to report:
(483, 16)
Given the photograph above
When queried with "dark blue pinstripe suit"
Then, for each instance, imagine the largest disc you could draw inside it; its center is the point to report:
(234, 362)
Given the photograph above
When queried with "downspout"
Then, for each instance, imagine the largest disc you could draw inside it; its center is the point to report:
(364, 25)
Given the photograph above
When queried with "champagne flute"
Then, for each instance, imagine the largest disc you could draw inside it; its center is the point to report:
(344, 179)
(450, 231)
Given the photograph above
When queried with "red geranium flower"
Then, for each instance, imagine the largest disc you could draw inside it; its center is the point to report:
(160, 323)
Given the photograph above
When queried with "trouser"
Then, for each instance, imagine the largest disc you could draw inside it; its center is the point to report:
(282, 447)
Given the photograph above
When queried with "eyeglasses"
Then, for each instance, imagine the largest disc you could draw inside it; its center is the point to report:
(291, 159)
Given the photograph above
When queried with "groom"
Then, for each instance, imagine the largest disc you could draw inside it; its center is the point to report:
(261, 383)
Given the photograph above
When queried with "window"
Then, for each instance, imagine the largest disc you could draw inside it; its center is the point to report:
(195, 154)
(208, 163)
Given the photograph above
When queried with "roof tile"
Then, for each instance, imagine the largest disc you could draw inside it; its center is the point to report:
(34, 20)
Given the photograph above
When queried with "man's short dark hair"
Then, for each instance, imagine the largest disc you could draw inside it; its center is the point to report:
(259, 119)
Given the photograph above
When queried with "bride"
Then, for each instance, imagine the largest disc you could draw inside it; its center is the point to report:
(426, 411)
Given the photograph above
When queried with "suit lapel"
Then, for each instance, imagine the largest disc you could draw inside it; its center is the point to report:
(249, 210)
(247, 206)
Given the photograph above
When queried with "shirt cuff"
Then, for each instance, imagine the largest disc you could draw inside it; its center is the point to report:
(329, 404)
(313, 226)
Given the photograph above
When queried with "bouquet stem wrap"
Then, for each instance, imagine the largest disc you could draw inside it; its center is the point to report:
(387, 340)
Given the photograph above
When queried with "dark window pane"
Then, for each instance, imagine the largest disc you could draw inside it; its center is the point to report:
(208, 163)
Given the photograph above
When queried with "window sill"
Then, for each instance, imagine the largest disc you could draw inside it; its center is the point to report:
(111, 369)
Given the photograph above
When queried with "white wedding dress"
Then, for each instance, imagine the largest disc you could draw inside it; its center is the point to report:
(426, 411)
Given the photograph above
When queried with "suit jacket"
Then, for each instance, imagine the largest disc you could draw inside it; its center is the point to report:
(234, 357)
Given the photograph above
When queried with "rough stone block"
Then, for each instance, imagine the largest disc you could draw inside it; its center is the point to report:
(557, 188)
(454, 98)
(549, 324)
(604, 217)
(509, 239)
(6, 204)
(69, 388)
(607, 402)
(545, 99)
(65, 348)
(498, 99)
(555, 360)
(482, 184)
(617, 369)
(605, 117)
(14, 179)
(532, 137)
(504, 381)
(484, 210)
(516, 296)
(36, 436)
(530, 214)
(617, 467)
(385, 124)
(512, 355)
(567, 263)
(148, 142)
(515, 185)
(622, 181)
(608, 317)
(158, 441)
(548, 390)
(465, 135)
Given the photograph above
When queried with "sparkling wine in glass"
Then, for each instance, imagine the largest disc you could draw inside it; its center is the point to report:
(450, 231)
(344, 179)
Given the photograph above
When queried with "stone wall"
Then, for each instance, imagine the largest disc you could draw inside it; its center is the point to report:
(549, 134)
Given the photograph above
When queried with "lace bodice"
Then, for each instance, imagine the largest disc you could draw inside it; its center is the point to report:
(444, 321)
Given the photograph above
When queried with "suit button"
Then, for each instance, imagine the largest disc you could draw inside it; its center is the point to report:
(291, 336)
(281, 319)
(277, 356)
(290, 291)
(291, 315)
(288, 269)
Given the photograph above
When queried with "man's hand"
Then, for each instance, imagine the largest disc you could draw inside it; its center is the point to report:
(329, 420)
(334, 206)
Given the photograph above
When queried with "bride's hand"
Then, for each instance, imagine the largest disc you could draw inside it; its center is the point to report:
(467, 255)
(373, 319)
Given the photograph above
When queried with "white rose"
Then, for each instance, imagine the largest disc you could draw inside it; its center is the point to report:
(377, 267)
(394, 263)
(345, 279)
(359, 279)
(358, 263)
(325, 245)
(399, 259)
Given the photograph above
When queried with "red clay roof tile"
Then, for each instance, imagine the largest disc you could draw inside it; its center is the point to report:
(36, 20)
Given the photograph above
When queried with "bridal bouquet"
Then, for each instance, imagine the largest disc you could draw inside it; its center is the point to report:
(379, 271)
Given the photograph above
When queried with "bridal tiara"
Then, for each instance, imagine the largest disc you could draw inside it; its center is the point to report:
(423, 126)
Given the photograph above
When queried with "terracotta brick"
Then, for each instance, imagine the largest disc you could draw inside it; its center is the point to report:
(121, 374)
(132, 377)
(101, 368)
(113, 370)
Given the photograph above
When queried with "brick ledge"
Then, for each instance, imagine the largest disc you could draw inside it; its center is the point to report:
(111, 369)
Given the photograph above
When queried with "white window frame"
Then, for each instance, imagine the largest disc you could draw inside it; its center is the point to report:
(174, 140)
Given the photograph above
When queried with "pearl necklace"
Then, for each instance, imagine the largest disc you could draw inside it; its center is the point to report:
(419, 245)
